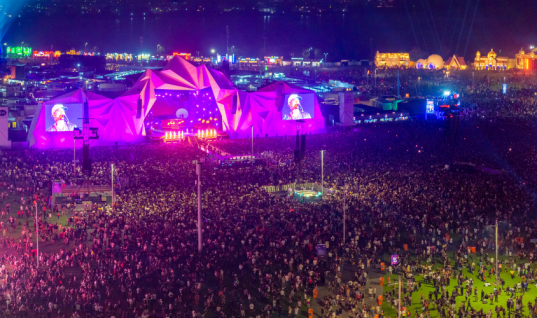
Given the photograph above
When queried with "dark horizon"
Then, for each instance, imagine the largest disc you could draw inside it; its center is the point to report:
(434, 27)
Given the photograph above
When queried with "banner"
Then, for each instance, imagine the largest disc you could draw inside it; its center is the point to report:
(4, 140)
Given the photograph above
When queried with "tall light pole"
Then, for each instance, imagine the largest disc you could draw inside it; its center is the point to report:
(198, 172)
(344, 212)
(252, 144)
(264, 46)
(112, 187)
(74, 156)
(497, 273)
(322, 174)
(399, 301)
(37, 234)
(326, 57)
(85, 46)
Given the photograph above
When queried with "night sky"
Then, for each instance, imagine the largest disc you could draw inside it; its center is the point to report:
(430, 26)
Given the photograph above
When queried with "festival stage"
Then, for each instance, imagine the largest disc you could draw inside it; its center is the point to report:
(179, 99)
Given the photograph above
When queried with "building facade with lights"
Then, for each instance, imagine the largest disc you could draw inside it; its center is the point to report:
(526, 61)
(456, 63)
(392, 60)
(15, 52)
(491, 61)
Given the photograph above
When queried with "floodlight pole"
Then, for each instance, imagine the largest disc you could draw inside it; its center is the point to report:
(112, 188)
(37, 234)
(322, 174)
(198, 172)
(252, 144)
(344, 212)
(497, 286)
(399, 301)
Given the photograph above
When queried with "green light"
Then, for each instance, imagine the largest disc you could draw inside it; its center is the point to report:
(19, 51)
(266, 68)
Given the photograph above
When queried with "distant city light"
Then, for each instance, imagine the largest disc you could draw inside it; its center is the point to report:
(532, 47)
(212, 51)
(446, 93)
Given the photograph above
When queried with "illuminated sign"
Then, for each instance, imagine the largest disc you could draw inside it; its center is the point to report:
(47, 54)
(186, 56)
(430, 106)
(173, 123)
(395, 260)
(19, 51)
(504, 88)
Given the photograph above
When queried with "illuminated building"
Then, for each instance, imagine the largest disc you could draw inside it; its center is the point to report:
(18, 51)
(491, 61)
(390, 60)
(526, 61)
(455, 63)
(144, 57)
(249, 63)
(186, 56)
(274, 60)
(119, 57)
(45, 54)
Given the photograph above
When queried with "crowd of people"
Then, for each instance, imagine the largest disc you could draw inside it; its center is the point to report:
(259, 255)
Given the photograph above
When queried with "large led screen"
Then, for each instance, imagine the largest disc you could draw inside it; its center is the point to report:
(63, 116)
(298, 106)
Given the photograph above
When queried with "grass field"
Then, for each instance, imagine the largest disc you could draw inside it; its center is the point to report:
(425, 289)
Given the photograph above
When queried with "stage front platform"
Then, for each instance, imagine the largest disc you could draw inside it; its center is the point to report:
(307, 196)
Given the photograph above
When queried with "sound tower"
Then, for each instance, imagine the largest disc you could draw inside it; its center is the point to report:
(302, 147)
(279, 102)
(299, 153)
(139, 108)
(86, 134)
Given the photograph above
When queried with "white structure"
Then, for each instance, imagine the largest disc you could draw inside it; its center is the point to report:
(4, 140)
(433, 62)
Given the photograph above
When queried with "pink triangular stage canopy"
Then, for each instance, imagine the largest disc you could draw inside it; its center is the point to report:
(118, 120)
